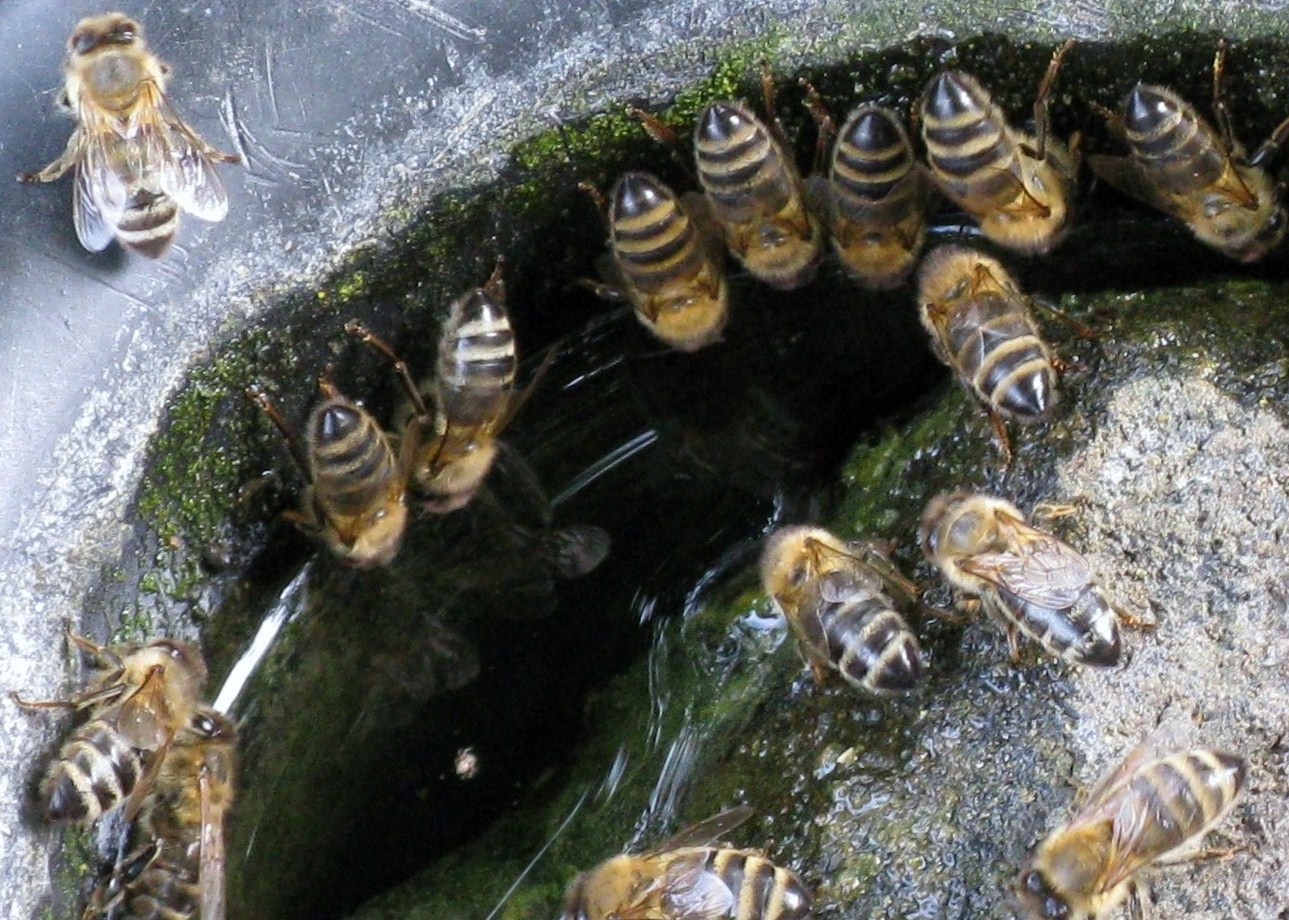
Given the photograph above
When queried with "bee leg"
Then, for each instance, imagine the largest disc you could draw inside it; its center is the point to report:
(1004, 442)
(818, 671)
(256, 393)
(664, 134)
(1082, 331)
(1185, 859)
(1271, 146)
(1013, 645)
(1132, 621)
(1114, 121)
(1220, 108)
(597, 197)
(1049, 511)
(1042, 100)
(602, 290)
(59, 166)
(356, 328)
(1138, 903)
(827, 129)
(771, 107)
(41, 704)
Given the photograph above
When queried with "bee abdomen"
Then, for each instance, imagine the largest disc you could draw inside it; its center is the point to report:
(95, 771)
(166, 890)
(966, 139)
(762, 890)
(1016, 375)
(739, 165)
(1168, 136)
(873, 155)
(149, 223)
(1086, 633)
(871, 646)
(350, 457)
(1189, 792)
(653, 239)
(478, 345)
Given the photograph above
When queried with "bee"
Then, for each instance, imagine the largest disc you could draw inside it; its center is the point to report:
(355, 502)
(667, 259)
(178, 871)
(137, 164)
(136, 705)
(836, 597)
(981, 327)
(1016, 186)
(1027, 581)
(756, 195)
(876, 198)
(1183, 167)
(688, 878)
(451, 449)
(1144, 813)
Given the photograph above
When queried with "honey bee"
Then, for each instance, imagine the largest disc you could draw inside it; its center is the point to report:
(836, 598)
(688, 878)
(876, 198)
(1016, 186)
(178, 871)
(981, 327)
(1027, 581)
(667, 260)
(1181, 166)
(1144, 813)
(355, 502)
(137, 164)
(756, 195)
(137, 704)
(451, 450)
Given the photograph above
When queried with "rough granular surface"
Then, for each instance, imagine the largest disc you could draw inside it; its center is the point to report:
(1186, 508)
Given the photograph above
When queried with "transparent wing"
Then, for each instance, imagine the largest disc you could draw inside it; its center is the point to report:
(181, 159)
(692, 892)
(1039, 568)
(707, 831)
(144, 717)
(99, 193)
(1125, 174)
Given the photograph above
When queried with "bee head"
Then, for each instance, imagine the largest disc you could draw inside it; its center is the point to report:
(1039, 898)
(109, 29)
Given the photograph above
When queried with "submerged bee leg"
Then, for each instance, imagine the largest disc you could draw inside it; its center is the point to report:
(1004, 441)
(596, 196)
(1271, 146)
(827, 129)
(256, 393)
(495, 286)
(1041, 101)
(356, 328)
(600, 289)
(1082, 331)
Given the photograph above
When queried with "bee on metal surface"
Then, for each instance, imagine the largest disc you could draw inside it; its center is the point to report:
(837, 599)
(355, 502)
(667, 259)
(136, 705)
(451, 449)
(756, 194)
(178, 870)
(981, 327)
(689, 878)
(1016, 186)
(875, 196)
(137, 164)
(1027, 581)
(1183, 167)
(1145, 812)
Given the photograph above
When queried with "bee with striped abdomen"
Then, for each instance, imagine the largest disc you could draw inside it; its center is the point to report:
(1146, 812)
(354, 503)
(876, 198)
(689, 878)
(836, 597)
(136, 705)
(1017, 187)
(1028, 582)
(137, 164)
(981, 327)
(1183, 167)
(756, 195)
(667, 259)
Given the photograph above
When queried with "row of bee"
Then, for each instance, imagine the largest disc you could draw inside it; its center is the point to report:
(667, 251)
(152, 751)
(1148, 810)
(843, 603)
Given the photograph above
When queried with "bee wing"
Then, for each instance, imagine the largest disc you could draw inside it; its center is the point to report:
(211, 873)
(1040, 569)
(1125, 174)
(706, 831)
(143, 717)
(180, 157)
(692, 891)
(99, 193)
